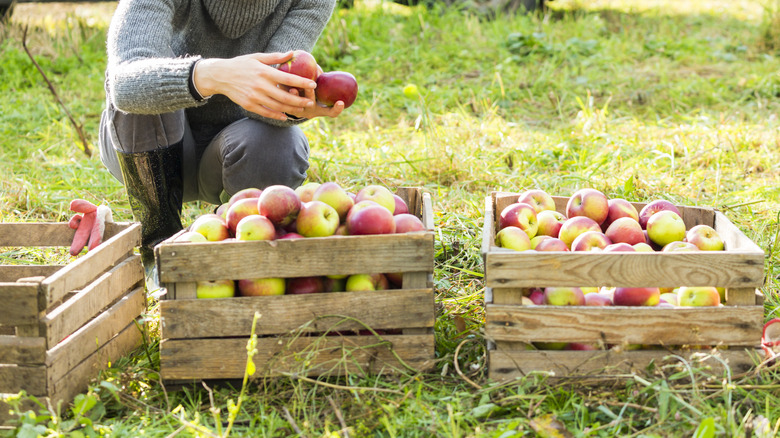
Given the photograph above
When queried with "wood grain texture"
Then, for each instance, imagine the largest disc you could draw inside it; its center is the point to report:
(606, 366)
(20, 304)
(334, 355)
(89, 266)
(48, 234)
(19, 350)
(30, 378)
(508, 295)
(98, 332)
(727, 325)
(84, 305)
(11, 273)
(746, 296)
(213, 318)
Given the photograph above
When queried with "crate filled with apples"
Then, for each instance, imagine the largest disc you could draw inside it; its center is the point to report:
(348, 272)
(582, 284)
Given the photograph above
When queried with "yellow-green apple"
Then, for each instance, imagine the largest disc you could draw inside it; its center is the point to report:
(303, 64)
(334, 284)
(550, 222)
(366, 282)
(626, 230)
(698, 296)
(334, 86)
(590, 240)
(238, 210)
(722, 293)
(379, 194)
(617, 208)
(280, 204)
(372, 219)
(190, 236)
(619, 247)
(317, 219)
(215, 289)
(705, 238)
(537, 296)
(513, 238)
(574, 226)
(258, 287)
(597, 299)
(770, 338)
(664, 227)
(590, 203)
(538, 199)
(538, 238)
(519, 215)
(305, 285)
(636, 296)
(250, 192)
(669, 297)
(679, 245)
(654, 207)
(400, 205)
(405, 223)
(211, 226)
(306, 192)
(564, 296)
(551, 244)
(334, 195)
(643, 247)
(255, 227)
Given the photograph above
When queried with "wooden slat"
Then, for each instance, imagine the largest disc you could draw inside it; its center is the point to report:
(601, 366)
(11, 273)
(745, 296)
(503, 295)
(488, 228)
(410, 195)
(77, 380)
(87, 267)
(20, 303)
(78, 346)
(29, 330)
(693, 216)
(208, 318)
(727, 325)
(733, 237)
(336, 255)
(30, 378)
(83, 306)
(334, 355)
(427, 211)
(639, 269)
(19, 350)
(46, 234)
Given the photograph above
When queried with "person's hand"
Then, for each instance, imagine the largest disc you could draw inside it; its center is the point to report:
(317, 110)
(252, 83)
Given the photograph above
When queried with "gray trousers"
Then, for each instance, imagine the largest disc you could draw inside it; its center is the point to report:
(246, 153)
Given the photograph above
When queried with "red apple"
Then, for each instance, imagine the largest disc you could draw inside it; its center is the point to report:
(280, 204)
(513, 238)
(705, 238)
(551, 244)
(626, 230)
(257, 287)
(617, 208)
(664, 227)
(538, 238)
(306, 191)
(575, 226)
(519, 215)
(550, 222)
(334, 86)
(636, 296)
(698, 296)
(538, 199)
(597, 299)
(379, 194)
(406, 222)
(400, 205)
(564, 296)
(305, 285)
(770, 338)
(332, 194)
(317, 219)
(537, 296)
(211, 226)
(255, 227)
(250, 192)
(654, 207)
(222, 210)
(366, 282)
(590, 203)
(372, 219)
(238, 210)
(290, 235)
(590, 240)
(215, 289)
(619, 247)
(579, 346)
(302, 64)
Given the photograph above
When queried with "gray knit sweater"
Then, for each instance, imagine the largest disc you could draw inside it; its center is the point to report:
(153, 44)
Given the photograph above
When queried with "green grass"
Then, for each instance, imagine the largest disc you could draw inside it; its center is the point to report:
(661, 99)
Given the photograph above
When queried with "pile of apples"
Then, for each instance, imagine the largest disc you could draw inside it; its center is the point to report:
(311, 210)
(593, 222)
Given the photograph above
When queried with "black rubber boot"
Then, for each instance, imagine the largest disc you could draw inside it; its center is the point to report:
(155, 188)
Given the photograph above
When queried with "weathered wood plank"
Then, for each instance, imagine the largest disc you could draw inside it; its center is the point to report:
(725, 325)
(488, 228)
(335, 255)
(30, 378)
(20, 303)
(86, 340)
(410, 195)
(657, 269)
(89, 266)
(21, 350)
(503, 295)
(12, 273)
(733, 237)
(84, 305)
(390, 309)
(330, 355)
(77, 380)
(426, 215)
(609, 365)
(745, 296)
(46, 234)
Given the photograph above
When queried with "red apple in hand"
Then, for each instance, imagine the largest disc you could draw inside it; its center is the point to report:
(588, 202)
(302, 64)
(333, 86)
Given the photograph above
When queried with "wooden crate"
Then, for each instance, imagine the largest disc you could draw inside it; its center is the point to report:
(61, 324)
(510, 327)
(206, 339)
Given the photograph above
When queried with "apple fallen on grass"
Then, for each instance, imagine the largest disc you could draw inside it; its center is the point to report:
(334, 86)
(770, 339)
(590, 203)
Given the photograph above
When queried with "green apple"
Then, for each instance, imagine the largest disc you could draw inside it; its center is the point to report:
(513, 238)
(366, 282)
(317, 219)
(211, 226)
(379, 194)
(256, 287)
(215, 289)
(564, 296)
(665, 227)
(698, 296)
(255, 227)
(705, 238)
(332, 194)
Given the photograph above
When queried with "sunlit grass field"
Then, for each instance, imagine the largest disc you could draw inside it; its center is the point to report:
(642, 100)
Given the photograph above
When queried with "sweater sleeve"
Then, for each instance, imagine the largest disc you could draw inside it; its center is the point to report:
(143, 74)
(302, 26)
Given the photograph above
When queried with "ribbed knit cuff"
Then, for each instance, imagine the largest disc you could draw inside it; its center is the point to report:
(193, 88)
